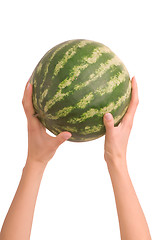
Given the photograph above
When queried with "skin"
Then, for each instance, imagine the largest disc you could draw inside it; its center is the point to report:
(42, 147)
(132, 222)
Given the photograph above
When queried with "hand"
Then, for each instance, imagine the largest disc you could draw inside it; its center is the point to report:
(41, 146)
(116, 138)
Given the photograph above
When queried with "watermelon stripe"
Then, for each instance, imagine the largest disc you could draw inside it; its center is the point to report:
(96, 53)
(119, 117)
(94, 76)
(98, 73)
(51, 58)
(39, 67)
(105, 109)
(44, 74)
(69, 54)
(75, 84)
(81, 129)
(85, 100)
(38, 70)
(84, 134)
(90, 129)
(111, 85)
(41, 64)
(99, 112)
(93, 59)
(97, 128)
(59, 56)
(77, 95)
(53, 90)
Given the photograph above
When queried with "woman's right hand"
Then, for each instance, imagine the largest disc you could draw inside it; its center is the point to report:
(116, 138)
(41, 145)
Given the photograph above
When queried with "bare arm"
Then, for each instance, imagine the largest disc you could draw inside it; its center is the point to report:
(41, 148)
(133, 225)
(18, 222)
(132, 222)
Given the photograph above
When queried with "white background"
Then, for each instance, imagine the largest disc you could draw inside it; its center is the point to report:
(76, 199)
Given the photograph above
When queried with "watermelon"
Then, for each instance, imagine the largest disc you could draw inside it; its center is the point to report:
(75, 84)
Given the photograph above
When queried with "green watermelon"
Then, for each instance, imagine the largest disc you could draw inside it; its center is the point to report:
(75, 84)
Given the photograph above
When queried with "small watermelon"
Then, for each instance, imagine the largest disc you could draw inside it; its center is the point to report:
(75, 84)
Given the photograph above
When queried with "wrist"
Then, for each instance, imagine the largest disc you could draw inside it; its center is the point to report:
(117, 165)
(35, 166)
(118, 173)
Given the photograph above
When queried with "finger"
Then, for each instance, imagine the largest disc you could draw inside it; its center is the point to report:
(61, 137)
(129, 116)
(25, 90)
(33, 122)
(27, 100)
(109, 122)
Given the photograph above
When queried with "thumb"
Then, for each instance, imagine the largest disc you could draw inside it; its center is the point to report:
(108, 122)
(62, 137)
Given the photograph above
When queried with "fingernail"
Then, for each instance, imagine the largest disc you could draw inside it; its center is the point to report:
(67, 135)
(108, 116)
(28, 85)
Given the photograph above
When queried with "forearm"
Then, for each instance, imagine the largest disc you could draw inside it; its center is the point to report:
(133, 225)
(18, 222)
